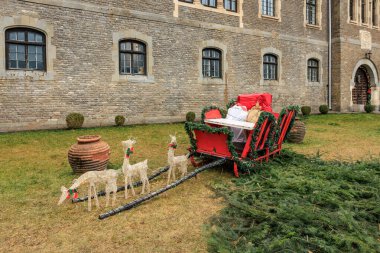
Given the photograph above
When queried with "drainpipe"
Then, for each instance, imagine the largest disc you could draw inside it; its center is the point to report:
(329, 56)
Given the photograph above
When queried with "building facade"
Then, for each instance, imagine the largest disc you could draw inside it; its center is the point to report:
(153, 61)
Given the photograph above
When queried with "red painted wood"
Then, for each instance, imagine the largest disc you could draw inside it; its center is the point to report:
(212, 144)
(247, 146)
(236, 171)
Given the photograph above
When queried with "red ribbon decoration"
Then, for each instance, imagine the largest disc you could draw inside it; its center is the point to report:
(174, 146)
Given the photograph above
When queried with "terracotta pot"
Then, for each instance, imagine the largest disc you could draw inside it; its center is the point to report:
(90, 153)
(298, 131)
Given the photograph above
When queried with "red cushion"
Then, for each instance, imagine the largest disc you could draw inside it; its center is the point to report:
(250, 100)
(213, 114)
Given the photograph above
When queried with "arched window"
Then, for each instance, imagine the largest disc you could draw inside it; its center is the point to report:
(268, 7)
(313, 70)
(212, 62)
(132, 56)
(311, 9)
(270, 67)
(25, 49)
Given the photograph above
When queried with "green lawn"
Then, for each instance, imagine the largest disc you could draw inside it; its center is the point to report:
(33, 166)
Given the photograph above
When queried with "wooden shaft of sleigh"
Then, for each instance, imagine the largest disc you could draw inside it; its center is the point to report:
(158, 192)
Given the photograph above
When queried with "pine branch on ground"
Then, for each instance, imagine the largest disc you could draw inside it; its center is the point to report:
(299, 204)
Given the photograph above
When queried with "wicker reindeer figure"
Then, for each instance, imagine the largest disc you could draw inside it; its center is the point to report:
(109, 177)
(130, 171)
(175, 162)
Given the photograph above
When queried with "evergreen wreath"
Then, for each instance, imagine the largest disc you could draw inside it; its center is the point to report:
(231, 103)
(207, 109)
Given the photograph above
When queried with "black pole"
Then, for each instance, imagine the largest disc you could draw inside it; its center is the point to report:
(154, 194)
(122, 188)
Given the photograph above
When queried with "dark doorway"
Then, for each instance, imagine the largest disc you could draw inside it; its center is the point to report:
(359, 92)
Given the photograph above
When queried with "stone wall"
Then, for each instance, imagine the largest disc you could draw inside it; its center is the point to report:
(82, 37)
(349, 52)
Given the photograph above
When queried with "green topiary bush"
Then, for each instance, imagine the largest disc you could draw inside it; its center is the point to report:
(323, 109)
(119, 120)
(74, 120)
(306, 110)
(369, 108)
(190, 116)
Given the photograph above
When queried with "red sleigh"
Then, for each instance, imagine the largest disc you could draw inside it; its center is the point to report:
(213, 137)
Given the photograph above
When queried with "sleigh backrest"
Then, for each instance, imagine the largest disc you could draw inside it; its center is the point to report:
(286, 120)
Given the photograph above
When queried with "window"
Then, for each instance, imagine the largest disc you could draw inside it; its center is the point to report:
(313, 70)
(187, 1)
(268, 7)
(364, 11)
(374, 13)
(352, 8)
(211, 3)
(132, 57)
(25, 49)
(211, 63)
(311, 7)
(230, 5)
(270, 67)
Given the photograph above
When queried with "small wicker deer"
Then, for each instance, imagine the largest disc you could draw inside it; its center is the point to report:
(175, 162)
(109, 177)
(139, 169)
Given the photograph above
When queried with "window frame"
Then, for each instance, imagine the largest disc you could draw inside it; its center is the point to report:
(133, 53)
(309, 8)
(230, 7)
(265, 12)
(273, 64)
(311, 68)
(26, 44)
(208, 3)
(220, 59)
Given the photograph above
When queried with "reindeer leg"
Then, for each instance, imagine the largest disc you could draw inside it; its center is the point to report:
(143, 185)
(107, 195)
(114, 194)
(131, 184)
(147, 183)
(184, 169)
(173, 171)
(169, 173)
(126, 187)
(96, 196)
(89, 197)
